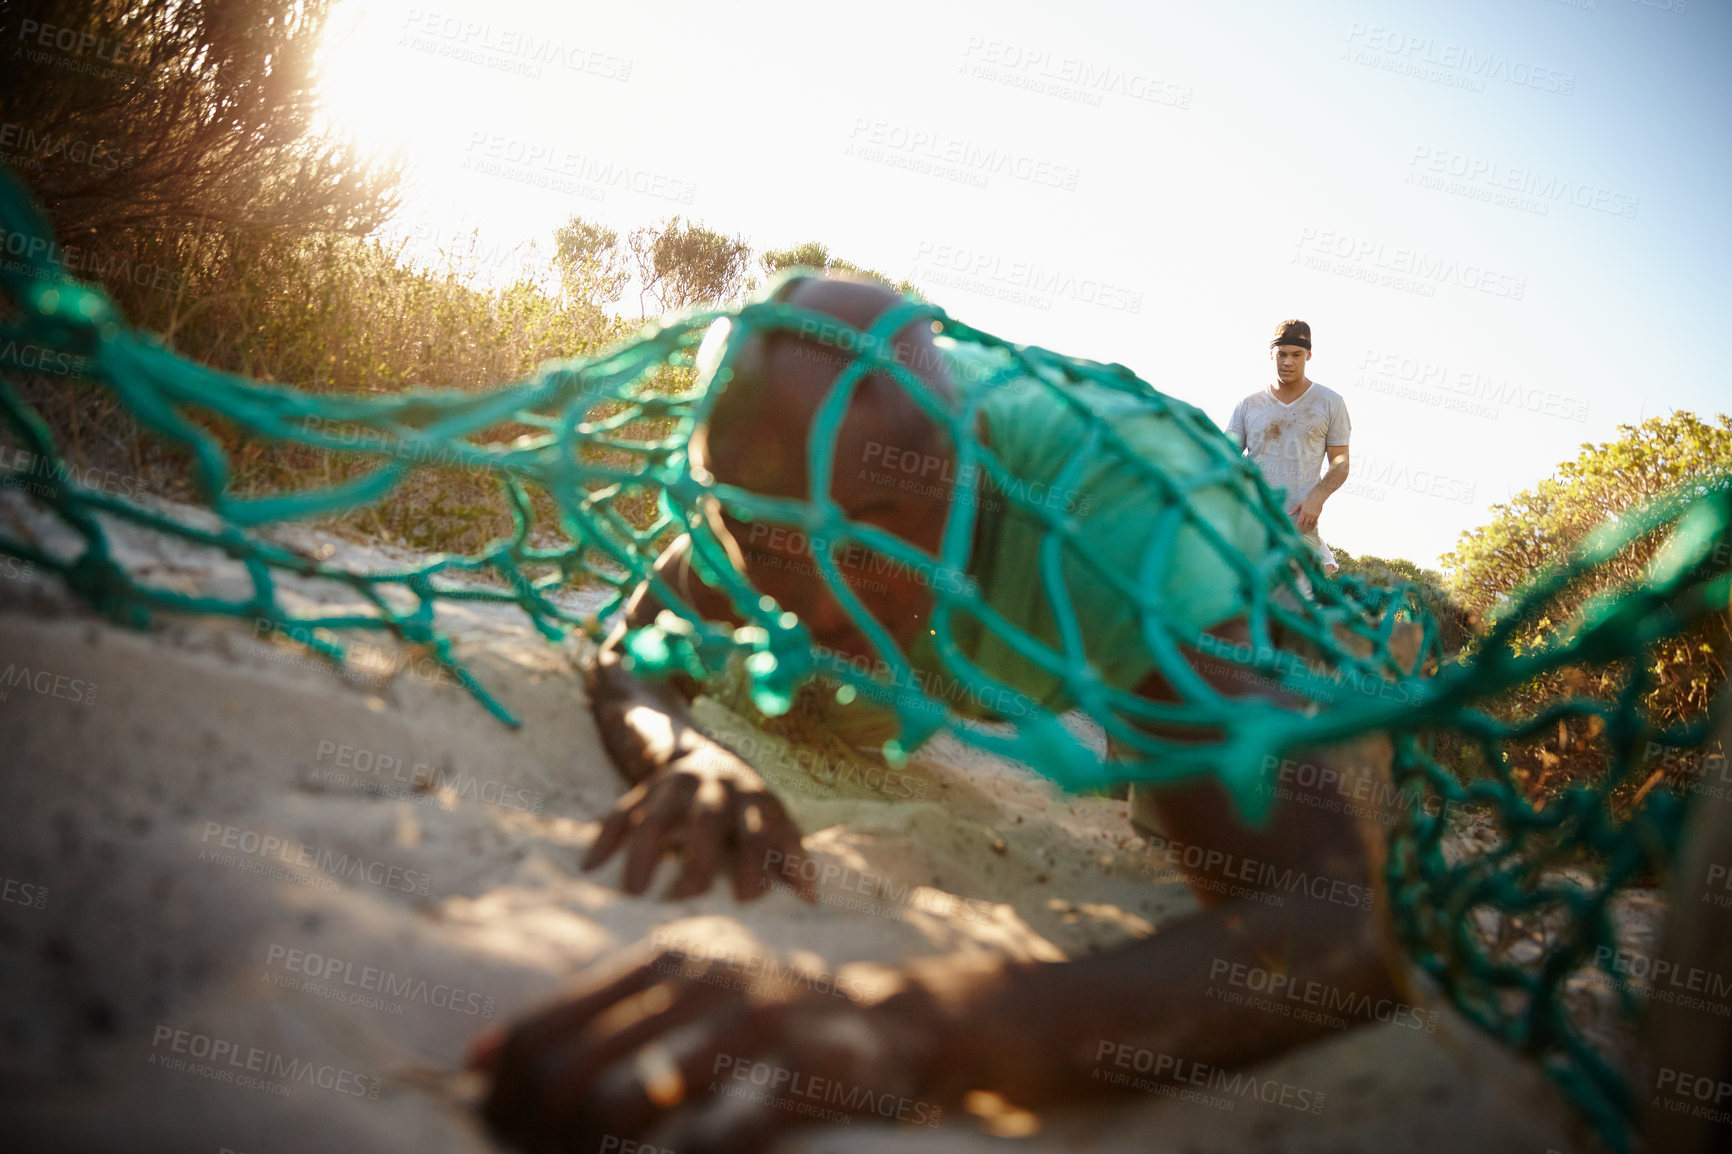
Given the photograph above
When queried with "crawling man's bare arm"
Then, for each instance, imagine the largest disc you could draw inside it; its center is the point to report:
(649, 1051)
(690, 797)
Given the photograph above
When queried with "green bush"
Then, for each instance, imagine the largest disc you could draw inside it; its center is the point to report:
(1453, 621)
(1677, 456)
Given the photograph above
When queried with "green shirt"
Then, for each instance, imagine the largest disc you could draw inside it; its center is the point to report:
(1092, 457)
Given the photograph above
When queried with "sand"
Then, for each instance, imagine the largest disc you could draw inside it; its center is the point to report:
(216, 850)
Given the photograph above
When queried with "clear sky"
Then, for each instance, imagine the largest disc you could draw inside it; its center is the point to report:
(1506, 220)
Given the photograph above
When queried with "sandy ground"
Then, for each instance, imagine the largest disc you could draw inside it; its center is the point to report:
(214, 846)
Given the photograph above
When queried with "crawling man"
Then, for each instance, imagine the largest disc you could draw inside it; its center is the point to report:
(635, 1054)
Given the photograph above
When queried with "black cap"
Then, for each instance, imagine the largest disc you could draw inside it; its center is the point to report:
(1292, 332)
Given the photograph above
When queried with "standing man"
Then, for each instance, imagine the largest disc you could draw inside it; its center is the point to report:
(1295, 429)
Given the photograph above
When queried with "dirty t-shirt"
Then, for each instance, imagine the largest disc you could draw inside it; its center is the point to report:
(1132, 535)
(1287, 440)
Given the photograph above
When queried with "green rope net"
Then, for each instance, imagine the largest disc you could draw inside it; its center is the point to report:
(582, 443)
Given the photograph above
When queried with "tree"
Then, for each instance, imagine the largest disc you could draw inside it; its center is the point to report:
(812, 254)
(166, 114)
(592, 267)
(816, 255)
(683, 265)
(1604, 482)
(1676, 456)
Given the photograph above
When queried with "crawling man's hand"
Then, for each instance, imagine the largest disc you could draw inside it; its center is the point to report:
(693, 798)
(690, 1054)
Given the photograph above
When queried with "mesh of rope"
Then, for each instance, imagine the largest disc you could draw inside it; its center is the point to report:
(579, 442)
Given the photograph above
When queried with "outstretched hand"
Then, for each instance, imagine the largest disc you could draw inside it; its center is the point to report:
(714, 813)
(693, 799)
(693, 1055)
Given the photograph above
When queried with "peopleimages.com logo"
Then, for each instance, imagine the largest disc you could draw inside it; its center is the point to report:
(1400, 267)
(251, 847)
(252, 1067)
(372, 987)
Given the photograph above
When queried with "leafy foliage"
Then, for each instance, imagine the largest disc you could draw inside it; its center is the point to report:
(1454, 622)
(592, 267)
(816, 255)
(682, 264)
(1538, 525)
(139, 117)
(1677, 454)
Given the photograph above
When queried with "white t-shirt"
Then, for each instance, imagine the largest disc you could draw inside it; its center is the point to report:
(1287, 440)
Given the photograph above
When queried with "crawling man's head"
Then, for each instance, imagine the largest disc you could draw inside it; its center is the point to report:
(757, 440)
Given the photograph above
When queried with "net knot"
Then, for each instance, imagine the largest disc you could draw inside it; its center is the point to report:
(82, 314)
(106, 586)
